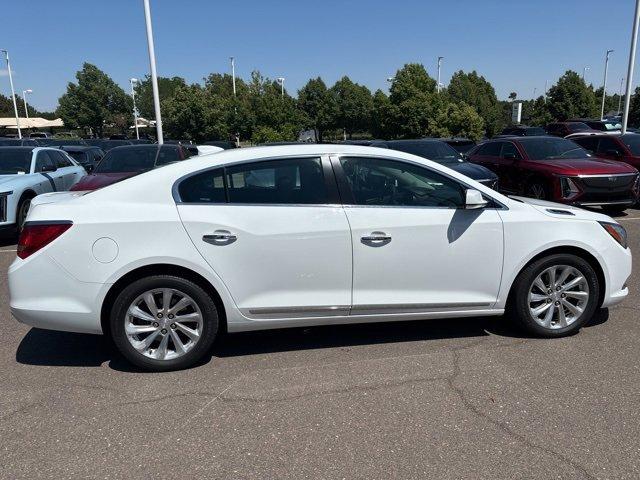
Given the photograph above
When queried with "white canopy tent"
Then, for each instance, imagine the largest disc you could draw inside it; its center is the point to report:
(36, 122)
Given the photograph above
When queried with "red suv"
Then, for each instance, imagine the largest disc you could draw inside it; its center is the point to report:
(557, 169)
(562, 129)
(624, 148)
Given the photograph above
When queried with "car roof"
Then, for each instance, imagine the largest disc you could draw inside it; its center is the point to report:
(145, 145)
(78, 148)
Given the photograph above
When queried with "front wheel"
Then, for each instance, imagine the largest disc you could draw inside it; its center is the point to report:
(555, 296)
(163, 323)
(23, 210)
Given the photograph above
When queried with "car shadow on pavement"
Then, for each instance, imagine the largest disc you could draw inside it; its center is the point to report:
(51, 348)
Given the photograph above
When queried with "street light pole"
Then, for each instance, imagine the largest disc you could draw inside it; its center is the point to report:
(233, 74)
(620, 96)
(281, 82)
(604, 86)
(545, 91)
(24, 98)
(632, 58)
(132, 81)
(154, 74)
(584, 72)
(13, 93)
(439, 65)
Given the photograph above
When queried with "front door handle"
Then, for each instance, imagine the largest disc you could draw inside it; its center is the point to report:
(376, 239)
(220, 237)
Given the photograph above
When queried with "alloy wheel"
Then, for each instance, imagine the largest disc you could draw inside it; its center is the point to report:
(558, 296)
(163, 324)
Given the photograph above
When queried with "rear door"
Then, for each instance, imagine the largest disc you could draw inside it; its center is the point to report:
(47, 166)
(69, 171)
(275, 234)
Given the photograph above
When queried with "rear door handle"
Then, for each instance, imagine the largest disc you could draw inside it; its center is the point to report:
(220, 237)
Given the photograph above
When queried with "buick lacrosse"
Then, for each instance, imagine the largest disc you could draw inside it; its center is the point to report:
(300, 235)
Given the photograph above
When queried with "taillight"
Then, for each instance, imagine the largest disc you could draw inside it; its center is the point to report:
(36, 235)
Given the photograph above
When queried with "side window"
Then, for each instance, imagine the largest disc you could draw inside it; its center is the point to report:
(205, 187)
(381, 182)
(60, 160)
(608, 145)
(491, 149)
(291, 181)
(510, 151)
(167, 155)
(590, 143)
(43, 160)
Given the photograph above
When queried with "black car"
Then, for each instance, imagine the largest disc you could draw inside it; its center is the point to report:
(106, 144)
(460, 144)
(522, 131)
(86, 156)
(56, 142)
(442, 153)
(17, 142)
(601, 125)
(221, 143)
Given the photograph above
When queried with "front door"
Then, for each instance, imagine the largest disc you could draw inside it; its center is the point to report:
(273, 232)
(415, 248)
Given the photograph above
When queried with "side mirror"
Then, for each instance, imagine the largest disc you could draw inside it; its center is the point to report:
(474, 200)
(613, 152)
(49, 168)
(89, 167)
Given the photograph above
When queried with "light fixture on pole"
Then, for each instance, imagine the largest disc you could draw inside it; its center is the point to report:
(584, 72)
(133, 81)
(154, 74)
(233, 74)
(535, 89)
(604, 85)
(439, 65)
(24, 99)
(13, 93)
(280, 81)
(632, 58)
(390, 79)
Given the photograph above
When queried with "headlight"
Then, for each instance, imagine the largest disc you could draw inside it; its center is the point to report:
(569, 187)
(617, 231)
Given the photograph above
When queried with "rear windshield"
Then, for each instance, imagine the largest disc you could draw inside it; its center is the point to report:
(437, 151)
(136, 159)
(530, 132)
(552, 148)
(14, 161)
(578, 127)
(80, 157)
(632, 140)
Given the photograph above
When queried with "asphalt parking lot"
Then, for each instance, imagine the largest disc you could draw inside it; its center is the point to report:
(463, 398)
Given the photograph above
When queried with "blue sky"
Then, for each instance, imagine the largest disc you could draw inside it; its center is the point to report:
(515, 44)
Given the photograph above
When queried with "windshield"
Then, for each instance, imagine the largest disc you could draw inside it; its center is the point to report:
(533, 131)
(437, 151)
(13, 162)
(135, 159)
(552, 148)
(80, 157)
(633, 142)
(578, 127)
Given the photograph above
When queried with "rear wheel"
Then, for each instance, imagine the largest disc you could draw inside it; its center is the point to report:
(163, 323)
(555, 296)
(23, 209)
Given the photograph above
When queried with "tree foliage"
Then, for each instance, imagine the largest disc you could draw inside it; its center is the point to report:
(319, 105)
(478, 93)
(355, 105)
(94, 101)
(571, 98)
(144, 93)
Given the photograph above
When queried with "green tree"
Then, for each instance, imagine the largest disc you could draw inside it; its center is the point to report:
(477, 92)
(410, 80)
(144, 93)
(570, 98)
(536, 112)
(94, 101)
(320, 106)
(459, 120)
(186, 114)
(634, 108)
(355, 105)
(610, 102)
(384, 117)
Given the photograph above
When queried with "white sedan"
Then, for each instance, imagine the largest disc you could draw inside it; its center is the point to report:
(29, 171)
(300, 235)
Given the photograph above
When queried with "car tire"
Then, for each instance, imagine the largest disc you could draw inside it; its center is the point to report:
(23, 209)
(528, 300)
(538, 190)
(173, 326)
